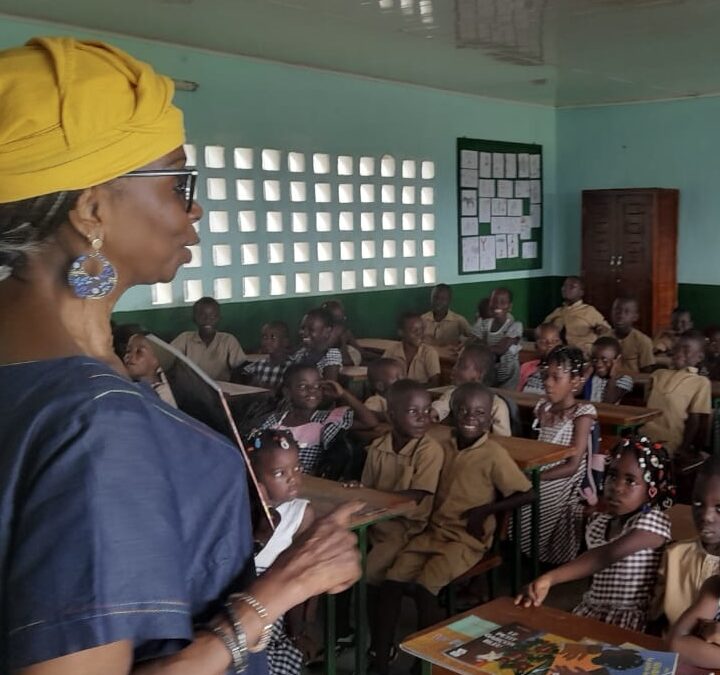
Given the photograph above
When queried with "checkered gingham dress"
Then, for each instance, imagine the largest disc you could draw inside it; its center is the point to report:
(284, 658)
(621, 594)
(560, 508)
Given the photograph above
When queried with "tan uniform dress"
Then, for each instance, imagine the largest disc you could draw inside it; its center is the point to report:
(678, 393)
(217, 359)
(425, 364)
(448, 331)
(500, 412)
(579, 321)
(637, 351)
(469, 478)
(416, 466)
(685, 566)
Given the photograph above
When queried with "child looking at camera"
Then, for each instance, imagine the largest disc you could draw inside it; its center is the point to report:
(605, 383)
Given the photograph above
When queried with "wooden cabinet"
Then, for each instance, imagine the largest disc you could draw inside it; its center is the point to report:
(629, 247)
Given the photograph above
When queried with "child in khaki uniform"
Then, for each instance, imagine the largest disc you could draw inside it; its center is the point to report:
(683, 396)
(581, 323)
(680, 322)
(461, 527)
(636, 347)
(419, 361)
(473, 364)
(381, 375)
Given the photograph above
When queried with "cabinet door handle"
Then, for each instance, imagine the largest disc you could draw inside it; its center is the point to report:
(612, 261)
(619, 260)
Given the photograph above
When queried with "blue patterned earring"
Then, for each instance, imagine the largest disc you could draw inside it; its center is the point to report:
(86, 285)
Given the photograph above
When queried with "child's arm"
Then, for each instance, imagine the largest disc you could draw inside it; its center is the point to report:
(364, 418)
(588, 563)
(477, 515)
(581, 432)
(695, 635)
(613, 393)
(331, 373)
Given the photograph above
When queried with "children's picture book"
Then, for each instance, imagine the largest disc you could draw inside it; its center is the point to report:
(513, 649)
(603, 659)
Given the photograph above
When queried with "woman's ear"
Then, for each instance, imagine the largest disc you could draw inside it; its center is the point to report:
(86, 216)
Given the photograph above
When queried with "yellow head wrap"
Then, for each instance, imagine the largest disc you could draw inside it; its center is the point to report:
(75, 114)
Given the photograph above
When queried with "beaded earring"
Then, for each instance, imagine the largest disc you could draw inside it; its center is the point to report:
(86, 285)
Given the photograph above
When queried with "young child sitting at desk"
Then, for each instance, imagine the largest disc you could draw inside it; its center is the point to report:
(561, 419)
(143, 366)
(712, 354)
(442, 326)
(581, 323)
(275, 460)
(405, 460)
(625, 544)
(342, 337)
(382, 374)
(461, 526)
(686, 565)
(547, 337)
(684, 397)
(604, 383)
(215, 352)
(275, 343)
(473, 364)
(314, 429)
(637, 348)
(502, 334)
(316, 332)
(419, 361)
(680, 322)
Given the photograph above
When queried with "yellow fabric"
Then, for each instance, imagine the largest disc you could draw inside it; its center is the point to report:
(500, 412)
(580, 322)
(424, 365)
(447, 331)
(637, 351)
(75, 114)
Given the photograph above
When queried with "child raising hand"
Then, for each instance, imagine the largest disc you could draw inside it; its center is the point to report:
(625, 544)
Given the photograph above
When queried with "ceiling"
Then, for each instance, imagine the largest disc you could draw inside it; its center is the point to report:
(550, 52)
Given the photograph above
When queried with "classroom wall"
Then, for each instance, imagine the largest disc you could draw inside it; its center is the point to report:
(670, 144)
(247, 102)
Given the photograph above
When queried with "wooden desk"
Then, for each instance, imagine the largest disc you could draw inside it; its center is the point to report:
(502, 611)
(354, 372)
(681, 522)
(376, 344)
(326, 495)
(231, 389)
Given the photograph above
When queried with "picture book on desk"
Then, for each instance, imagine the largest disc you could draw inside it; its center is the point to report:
(604, 659)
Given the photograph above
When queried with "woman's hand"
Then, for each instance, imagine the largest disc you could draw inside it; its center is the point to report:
(535, 592)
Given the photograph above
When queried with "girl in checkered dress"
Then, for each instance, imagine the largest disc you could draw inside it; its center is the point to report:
(625, 544)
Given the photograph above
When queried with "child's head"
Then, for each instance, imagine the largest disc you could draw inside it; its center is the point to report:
(140, 359)
(605, 352)
(276, 462)
(473, 364)
(563, 373)
(382, 373)
(689, 351)
(483, 309)
(409, 408)
(572, 289)
(471, 405)
(639, 474)
(410, 328)
(681, 320)
(274, 337)
(500, 303)
(713, 345)
(706, 504)
(440, 298)
(547, 337)
(337, 311)
(302, 386)
(206, 313)
(316, 329)
(624, 314)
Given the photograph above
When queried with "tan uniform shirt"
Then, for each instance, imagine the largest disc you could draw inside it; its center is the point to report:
(579, 321)
(469, 478)
(677, 393)
(217, 359)
(500, 412)
(685, 566)
(425, 364)
(377, 403)
(637, 351)
(447, 331)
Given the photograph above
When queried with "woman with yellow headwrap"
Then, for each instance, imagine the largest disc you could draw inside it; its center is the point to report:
(123, 523)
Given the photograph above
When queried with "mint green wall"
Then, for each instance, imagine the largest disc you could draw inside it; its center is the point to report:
(245, 102)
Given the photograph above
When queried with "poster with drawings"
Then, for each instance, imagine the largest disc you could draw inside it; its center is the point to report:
(500, 206)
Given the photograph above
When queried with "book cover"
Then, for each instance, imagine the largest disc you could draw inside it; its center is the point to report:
(603, 659)
(513, 649)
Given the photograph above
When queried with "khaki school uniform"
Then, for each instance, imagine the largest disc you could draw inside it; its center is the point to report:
(470, 478)
(425, 363)
(377, 404)
(665, 341)
(579, 321)
(416, 466)
(685, 566)
(678, 393)
(500, 412)
(637, 351)
(448, 331)
(217, 359)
